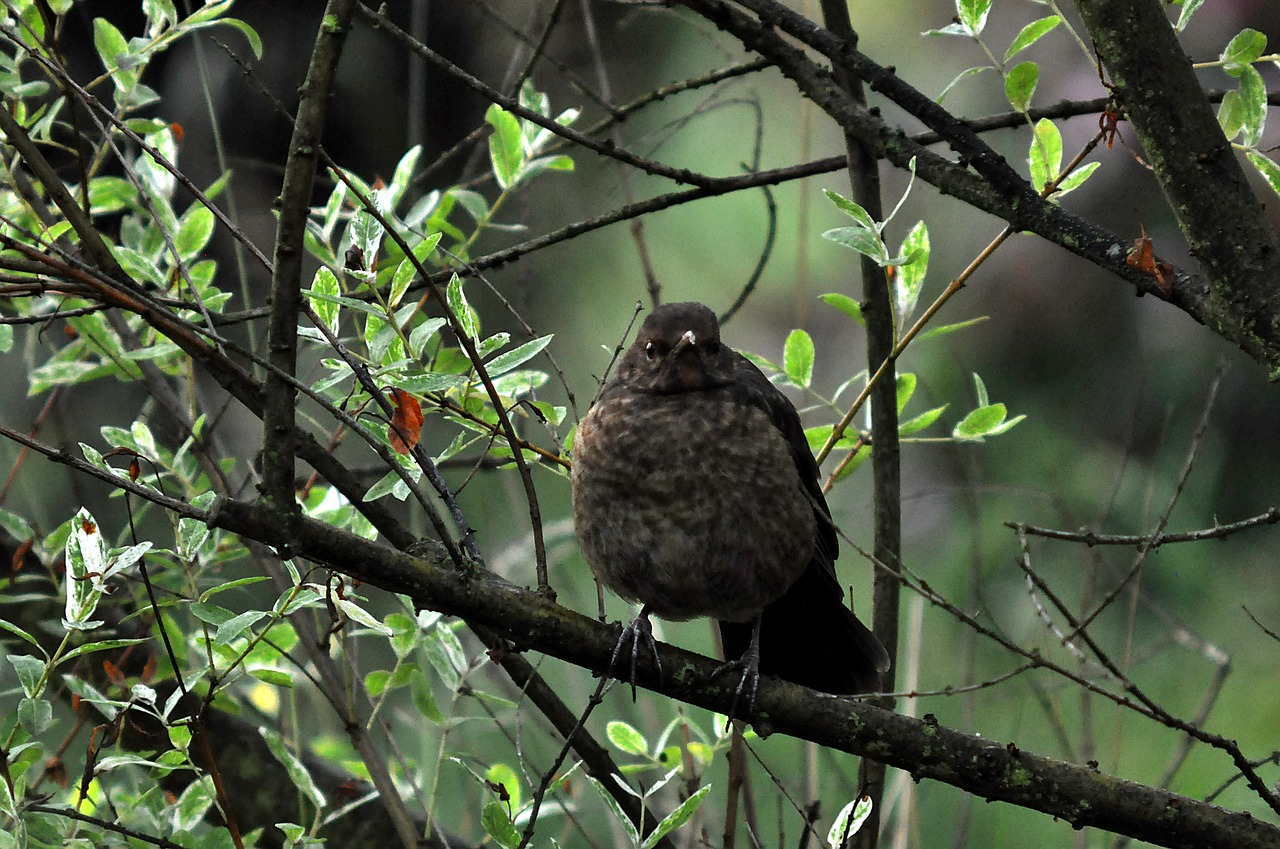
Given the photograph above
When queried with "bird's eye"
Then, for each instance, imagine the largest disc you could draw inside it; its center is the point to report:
(651, 350)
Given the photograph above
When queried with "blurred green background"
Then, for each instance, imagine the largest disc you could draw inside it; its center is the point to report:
(1113, 386)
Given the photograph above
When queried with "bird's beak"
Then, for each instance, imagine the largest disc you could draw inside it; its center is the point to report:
(687, 340)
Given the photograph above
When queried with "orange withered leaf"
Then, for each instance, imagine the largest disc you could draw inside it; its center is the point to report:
(406, 424)
(1143, 258)
(114, 675)
(20, 555)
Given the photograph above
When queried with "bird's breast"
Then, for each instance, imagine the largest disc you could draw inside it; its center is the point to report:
(690, 503)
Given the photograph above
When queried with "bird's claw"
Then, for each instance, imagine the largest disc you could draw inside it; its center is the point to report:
(749, 682)
(639, 629)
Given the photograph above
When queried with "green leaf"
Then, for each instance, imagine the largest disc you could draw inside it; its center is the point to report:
(423, 698)
(30, 672)
(1020, 84)
(237, 625)
(422, 333)
(506, 145)
(462, 310)
(967, 72)
(498, 824)
(36, 715)
(949, 328)
(1267, 168)
(676, 818)
(366, 234)
(325, 283)
(618, 814)
(905, 387)
(849, 821)
(506, 362)
(797, 358)
(503, 775)
(1253, 100)
(853, 210)
(627, 739)
(195, 228)
(973, 15)
(980, 422)
(1045, 156)
(865, 242)
(909, 279)
(358, 614)
(1242, 51)
(1189, 8)
(405, 271)
(846, 305)
(299, 776)
(1030, 34)
(6, 338)
(1076, 178)
(110, 43)
(1231, 114)
(920, 422)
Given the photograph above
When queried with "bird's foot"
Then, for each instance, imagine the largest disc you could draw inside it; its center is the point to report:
(639, 629)
(748, 683)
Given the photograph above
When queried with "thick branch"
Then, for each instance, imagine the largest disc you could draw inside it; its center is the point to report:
(1223, 221)
(279, 443)
(1079, 795)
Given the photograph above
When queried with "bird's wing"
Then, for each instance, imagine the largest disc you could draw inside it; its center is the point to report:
(752, 387)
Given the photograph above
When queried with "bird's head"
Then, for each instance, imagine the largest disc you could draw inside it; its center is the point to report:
(678, 349)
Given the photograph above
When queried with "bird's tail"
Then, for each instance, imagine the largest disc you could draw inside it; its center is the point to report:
(809, 637)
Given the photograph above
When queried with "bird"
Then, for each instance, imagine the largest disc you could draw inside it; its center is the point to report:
(695, 495)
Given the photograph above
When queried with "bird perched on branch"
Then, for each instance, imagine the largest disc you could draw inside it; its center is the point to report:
(695, 494)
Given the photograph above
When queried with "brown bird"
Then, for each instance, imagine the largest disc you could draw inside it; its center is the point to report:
(695, 494)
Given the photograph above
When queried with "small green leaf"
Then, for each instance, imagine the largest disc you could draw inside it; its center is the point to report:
(797, 358)
(626, 738)
(1231, 114)
(905, 388)
(498, 824)
(1189, 8)
(503, 775)
(1242, 51)
(1045, 156)
(423, 698)
(1253, 99)
(949, 328)
(1076, 178)
(506, 145)
(853, 210)
(30, 672)
(909, 279)
(1267, 168)
(967, 72)
(1020, 84)
(236, 626)
(628, 826)
(36, 715)
(325, 283)
(849, 821)
(1030, 34)
(920, 422)
(462, 310)
(195, 228)
(518, 356)
(6, 338)
(865, 242)
(973, 15)
(980, 422)
(110, 43)
(358, 614)
(846, 305)
(405, 271)
(299, 776)
(676, 818)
